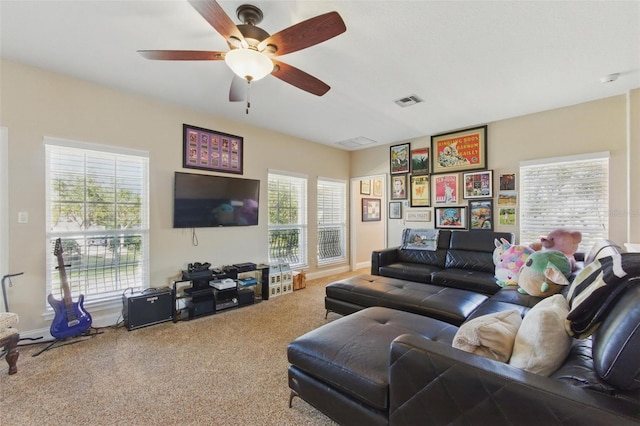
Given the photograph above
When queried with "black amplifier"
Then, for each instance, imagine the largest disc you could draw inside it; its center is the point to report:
(148, 307)
(245, 267)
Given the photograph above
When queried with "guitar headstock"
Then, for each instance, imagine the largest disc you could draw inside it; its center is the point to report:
(57, 251)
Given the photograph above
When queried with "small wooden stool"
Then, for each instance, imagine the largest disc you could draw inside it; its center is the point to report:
(9, 339)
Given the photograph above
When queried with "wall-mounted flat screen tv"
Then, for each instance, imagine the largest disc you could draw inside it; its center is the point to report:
(206, 201)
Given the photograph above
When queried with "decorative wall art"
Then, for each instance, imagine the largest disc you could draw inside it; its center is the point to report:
(451, 217)
(370, 209)
(508, 182)
(418, 216)
(481, 214)
(399, 158)
(507, 198)
(478, 184)
(446, 188)
(365, 187)
(395, 210)
(211, 150)
(420, 161)
(420, 193)
(459, 151)
(377, 187)
(507, 216)
(399, 187)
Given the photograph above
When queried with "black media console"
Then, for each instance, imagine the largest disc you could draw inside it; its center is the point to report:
(207, 291)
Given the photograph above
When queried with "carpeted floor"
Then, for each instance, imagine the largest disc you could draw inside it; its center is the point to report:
(225, 369)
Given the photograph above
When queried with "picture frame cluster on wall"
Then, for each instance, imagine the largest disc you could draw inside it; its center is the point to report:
(452, 177)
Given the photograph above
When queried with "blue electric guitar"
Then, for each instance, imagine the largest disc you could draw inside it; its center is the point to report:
(70, 318)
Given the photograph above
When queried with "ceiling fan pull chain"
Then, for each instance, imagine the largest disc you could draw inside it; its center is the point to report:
(248, 96)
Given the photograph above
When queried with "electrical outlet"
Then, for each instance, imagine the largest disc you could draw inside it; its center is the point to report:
(23, 217)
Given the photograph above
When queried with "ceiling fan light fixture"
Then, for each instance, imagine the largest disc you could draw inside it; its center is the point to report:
(249, 64)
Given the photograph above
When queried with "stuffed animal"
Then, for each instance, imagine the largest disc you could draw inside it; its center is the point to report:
(563, 240)
(544, 273)
(508, 259)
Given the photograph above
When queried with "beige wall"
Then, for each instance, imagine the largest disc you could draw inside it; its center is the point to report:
(590, 127)
(37, 103)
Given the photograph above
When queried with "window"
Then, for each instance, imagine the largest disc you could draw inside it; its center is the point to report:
(566, 192)
(288, 219)
(332, 220)
(97, 204)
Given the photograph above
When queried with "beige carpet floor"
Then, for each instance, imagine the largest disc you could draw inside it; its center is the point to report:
(226, 369)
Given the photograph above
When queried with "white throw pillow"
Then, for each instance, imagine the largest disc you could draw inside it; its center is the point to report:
(490, 336)
(542, 343)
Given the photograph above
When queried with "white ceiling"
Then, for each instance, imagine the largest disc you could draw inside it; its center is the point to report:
(472, 62)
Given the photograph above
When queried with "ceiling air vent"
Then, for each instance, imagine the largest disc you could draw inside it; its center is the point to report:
(408, 101)
(358, 142)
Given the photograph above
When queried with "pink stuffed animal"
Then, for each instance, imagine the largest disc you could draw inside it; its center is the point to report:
(565, 241)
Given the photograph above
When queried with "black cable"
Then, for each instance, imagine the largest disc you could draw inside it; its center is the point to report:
(194, 237)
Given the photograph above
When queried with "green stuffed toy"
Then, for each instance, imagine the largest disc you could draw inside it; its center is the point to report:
(544, 273)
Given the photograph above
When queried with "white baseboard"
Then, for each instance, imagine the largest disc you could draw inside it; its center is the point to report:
(363, 265)
(326, 272)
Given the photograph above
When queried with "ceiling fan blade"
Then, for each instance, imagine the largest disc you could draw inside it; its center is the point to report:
(213, 13)
(306, 33)
(300, 79)
(238, 89)
(182, 55)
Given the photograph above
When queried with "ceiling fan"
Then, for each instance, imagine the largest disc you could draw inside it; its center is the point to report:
(253, 50)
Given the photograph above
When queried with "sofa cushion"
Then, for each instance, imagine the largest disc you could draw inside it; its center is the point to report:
(505, 299)
(411, 271)
(351, 354)
(466, 279)
(542, 343)
(616, 343)
(442, 303)
(490, 336)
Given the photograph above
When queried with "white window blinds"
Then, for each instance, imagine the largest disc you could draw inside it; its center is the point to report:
(97, 204)
(288, 218)
(566, 192)
(332, 219)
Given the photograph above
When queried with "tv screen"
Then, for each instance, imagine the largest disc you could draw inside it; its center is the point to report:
(204, 201)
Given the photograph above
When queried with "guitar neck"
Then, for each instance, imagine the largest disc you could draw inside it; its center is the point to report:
(65, 282)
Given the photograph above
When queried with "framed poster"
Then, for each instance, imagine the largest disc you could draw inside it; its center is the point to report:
(399, 187)
(211, 150)
(478, 184)
(365, 187)
(481, 214)
(395, 210)
(377, 187)
(451, 217)
(418, 216)
(459, 151)
(370, 209)
(399, 158)
(507, 198)
(507, 216)
(420, 161)
(446, 188)
(420, 193)
(508, 182)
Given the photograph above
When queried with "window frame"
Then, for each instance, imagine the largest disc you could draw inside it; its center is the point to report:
(301, 225)
(577, 201)
(117, 241)
(338, 210)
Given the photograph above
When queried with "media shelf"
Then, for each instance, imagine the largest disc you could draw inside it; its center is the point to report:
(195, 296)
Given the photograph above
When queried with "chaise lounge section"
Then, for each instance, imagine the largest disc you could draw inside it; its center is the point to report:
(381, 366)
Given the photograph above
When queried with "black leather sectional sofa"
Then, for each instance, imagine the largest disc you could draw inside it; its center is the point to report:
(390, 360)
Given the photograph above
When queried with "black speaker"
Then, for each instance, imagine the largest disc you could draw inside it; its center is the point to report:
(149, 307)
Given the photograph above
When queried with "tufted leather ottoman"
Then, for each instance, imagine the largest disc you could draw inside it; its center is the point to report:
(447, 304)
(348, 360)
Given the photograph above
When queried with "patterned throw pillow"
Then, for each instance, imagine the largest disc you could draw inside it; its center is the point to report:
(596, 289)
(420, 239)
